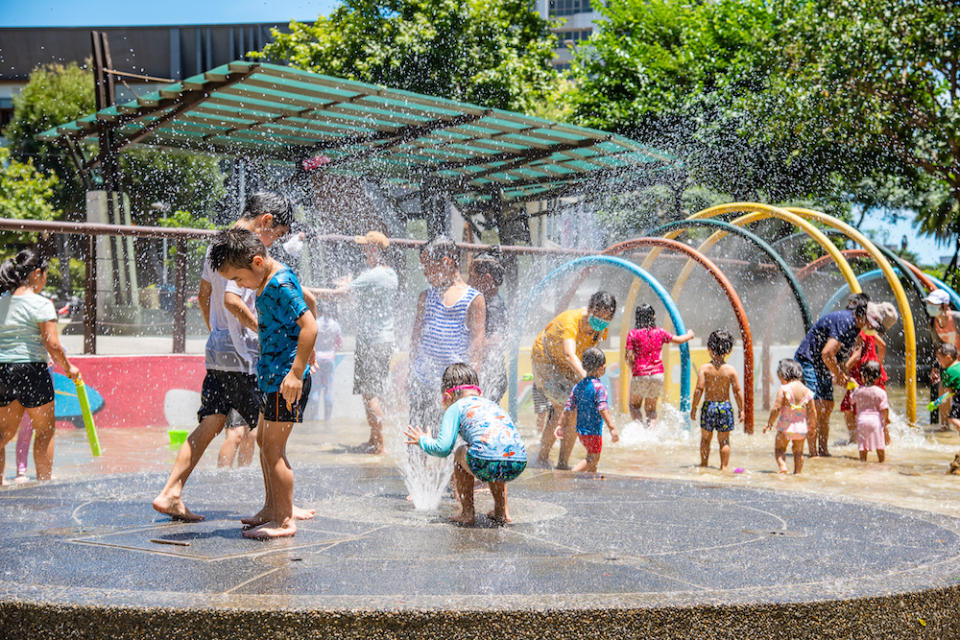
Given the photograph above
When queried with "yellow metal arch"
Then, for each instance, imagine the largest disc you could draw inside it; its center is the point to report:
(758, 212)
(906, 315)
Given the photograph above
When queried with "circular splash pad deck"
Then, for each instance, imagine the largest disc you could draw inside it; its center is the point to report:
(585, 557)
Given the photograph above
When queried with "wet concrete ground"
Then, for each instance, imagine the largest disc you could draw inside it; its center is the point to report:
(656, 533)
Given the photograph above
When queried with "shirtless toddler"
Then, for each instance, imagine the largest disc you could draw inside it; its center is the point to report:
(714, 381)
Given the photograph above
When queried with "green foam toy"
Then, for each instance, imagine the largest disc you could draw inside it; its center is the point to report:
(87, 417)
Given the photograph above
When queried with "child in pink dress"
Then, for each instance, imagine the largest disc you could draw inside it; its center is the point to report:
(795, 414)
(644, 355)
(872, 409)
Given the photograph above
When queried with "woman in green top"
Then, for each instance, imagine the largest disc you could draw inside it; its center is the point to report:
(28, 332)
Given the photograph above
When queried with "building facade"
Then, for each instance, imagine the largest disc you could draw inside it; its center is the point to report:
(579, 16)
(170, 52)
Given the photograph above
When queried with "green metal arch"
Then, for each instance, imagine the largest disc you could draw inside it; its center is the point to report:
(760, 243)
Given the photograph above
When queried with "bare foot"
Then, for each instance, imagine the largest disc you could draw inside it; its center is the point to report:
(262, 517)
(303, 514)
(824, 453)
(21, 478)
(175, 508)
(724, 468)
(464, 520)
(257, 519)
(373, 448)
(503, 518)
(269, 530)
(783, 469)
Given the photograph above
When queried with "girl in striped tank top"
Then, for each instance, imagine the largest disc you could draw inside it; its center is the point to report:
(449, 328)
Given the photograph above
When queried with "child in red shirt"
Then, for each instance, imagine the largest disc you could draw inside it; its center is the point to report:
(644, 354)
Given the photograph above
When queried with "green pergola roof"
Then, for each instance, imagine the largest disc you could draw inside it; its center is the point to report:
(289, 115)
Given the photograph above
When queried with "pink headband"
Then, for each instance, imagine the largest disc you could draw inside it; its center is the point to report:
(453, 390)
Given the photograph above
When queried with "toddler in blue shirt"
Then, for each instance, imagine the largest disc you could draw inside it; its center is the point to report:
(587, 408)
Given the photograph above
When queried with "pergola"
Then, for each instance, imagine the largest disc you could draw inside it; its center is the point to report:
(483, 159)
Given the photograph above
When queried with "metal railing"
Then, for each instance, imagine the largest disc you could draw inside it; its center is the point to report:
(180, 236)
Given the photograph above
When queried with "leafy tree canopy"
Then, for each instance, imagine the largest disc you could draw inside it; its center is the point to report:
(494, 53)
(886, 74)
(54, 94)
(25, 194)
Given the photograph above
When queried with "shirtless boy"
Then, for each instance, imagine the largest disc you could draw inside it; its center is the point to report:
(714, 382)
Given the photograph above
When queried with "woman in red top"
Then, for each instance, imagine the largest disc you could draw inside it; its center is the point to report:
(870, 347)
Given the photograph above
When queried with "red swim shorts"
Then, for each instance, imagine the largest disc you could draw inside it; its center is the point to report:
(593, 444)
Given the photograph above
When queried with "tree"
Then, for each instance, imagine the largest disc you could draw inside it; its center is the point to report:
(54, 94)
(883, 78)
(25, 194)
(683, 77)
(177, 179)
(494, 53)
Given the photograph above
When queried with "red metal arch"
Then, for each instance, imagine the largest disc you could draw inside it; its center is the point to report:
(728, 290)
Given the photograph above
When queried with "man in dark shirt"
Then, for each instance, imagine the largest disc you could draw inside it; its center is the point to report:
(818, 355)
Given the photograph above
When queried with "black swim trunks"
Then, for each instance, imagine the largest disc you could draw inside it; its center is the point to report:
(226, 390)
(29, 383)
(275, 408)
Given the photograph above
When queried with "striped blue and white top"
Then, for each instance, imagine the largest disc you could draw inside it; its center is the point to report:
(444, 338)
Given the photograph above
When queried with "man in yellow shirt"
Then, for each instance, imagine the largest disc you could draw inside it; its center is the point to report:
(556, 356)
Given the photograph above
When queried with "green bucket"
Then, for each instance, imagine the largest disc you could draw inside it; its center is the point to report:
(177, 436)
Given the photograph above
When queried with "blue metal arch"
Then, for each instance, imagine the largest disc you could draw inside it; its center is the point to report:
(609, 261)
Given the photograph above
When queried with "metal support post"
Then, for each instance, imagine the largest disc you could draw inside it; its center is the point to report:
(180, 298)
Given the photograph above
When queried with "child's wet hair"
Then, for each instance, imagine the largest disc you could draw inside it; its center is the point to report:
(440, 247)
(457, 375)
(487, 263)
(947, 349)
(720, 342)
(870, 371)
(856, 299)
(16, 270)
(789, 369)
(644, 317)
(592, 359)
(602, 301)
(272, 202)
(235, 248)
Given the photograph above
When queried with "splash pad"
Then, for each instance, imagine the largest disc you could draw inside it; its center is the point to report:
(88, 559)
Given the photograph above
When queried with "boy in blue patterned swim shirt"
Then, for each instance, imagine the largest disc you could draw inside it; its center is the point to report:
(287, 332)
(587, 408)
(494, 452)
(714, 381)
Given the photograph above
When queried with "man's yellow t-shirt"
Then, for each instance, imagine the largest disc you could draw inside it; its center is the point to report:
(548, 346)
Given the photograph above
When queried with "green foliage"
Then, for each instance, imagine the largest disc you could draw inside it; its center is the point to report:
(54, 94)
(25, 194)
(178, 180)
(196, 249)
(78, 270)
(494, 53)
(683, 76)
(880, 81)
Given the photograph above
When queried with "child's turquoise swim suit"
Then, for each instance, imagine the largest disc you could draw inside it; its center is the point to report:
(495, 451)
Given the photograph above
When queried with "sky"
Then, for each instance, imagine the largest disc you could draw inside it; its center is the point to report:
(106, 13)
